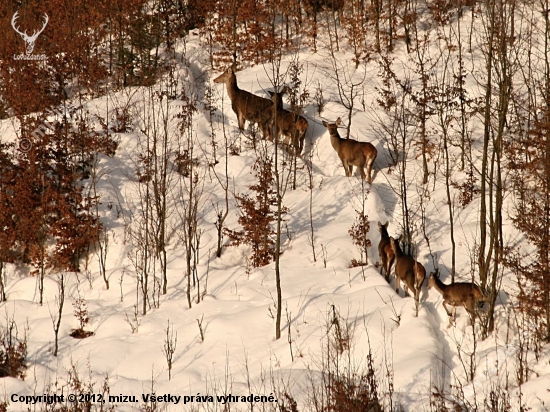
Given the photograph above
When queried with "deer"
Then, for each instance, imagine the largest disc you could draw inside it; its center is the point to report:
(351, 152)
(290, 124)
(465, 294)
(407, 270)
(385, 251)
(29, 40)
(247, 106)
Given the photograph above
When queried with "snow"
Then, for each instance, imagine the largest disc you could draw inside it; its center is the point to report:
(237, 309)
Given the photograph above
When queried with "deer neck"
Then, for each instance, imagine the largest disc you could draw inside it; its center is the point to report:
(335, 140)
(232, 88)
(397, 251)
(439, 285)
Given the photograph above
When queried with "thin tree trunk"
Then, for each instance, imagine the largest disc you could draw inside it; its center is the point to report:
(278, 233)
(2, 283)
(482, 259)
(450, 204)
(57, 323)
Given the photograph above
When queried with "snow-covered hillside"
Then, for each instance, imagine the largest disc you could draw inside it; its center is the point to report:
(414, 356)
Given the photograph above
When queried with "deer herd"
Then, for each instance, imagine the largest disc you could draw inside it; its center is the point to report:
(269, 114)
(413, 274)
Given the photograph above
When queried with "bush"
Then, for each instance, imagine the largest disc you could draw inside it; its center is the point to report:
(343, 386)
(13, 352)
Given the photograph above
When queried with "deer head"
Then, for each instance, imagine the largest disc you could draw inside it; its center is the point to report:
(29, 40)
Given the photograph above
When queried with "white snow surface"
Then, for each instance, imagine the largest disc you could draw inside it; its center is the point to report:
(239, 354)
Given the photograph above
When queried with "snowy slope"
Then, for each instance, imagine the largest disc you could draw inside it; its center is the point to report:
(239, 354)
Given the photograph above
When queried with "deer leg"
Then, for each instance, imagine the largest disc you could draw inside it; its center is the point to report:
(270, 127)
(361, 168)
(450, 314)
(297, 143)
(469, 306)
(266, 130)
(385, 267)
(302, 140)
(369, 170)
(454, 314)
(293, 139)
(241, 120)
(346, 170)
(397, 282)
(288, 140)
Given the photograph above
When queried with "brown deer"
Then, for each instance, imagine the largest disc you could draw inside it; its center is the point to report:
(465, 294)
(407, 270)
(385, 251)
(247, 106)
(351, 152)
(290, 124)
(277, 98)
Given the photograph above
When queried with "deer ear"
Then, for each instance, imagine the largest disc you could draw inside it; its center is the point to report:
(380, 225)
(325, 124)
(338, 121)
(386, 225)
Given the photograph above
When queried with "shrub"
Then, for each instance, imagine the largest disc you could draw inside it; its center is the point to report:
(13, 352)
(343, 386)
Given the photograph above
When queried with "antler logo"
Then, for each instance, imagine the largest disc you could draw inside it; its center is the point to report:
(29, 40)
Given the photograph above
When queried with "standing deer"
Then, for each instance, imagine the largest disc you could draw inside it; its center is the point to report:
(290, 124)
(385, 251)
(407, 270)
(29, 40)
(465, 294)
(351, 152)
(247, 106)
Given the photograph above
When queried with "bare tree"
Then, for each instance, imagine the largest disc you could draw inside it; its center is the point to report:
(140, 222)
(56, 318)
(499, 35)
(282, 175)
(395, 101)
(350, 84)
(102, 236)
(223, 179)
(529, 160)
(311, 184)
(423, 98)
(444, 106)
(188, 197)
(169, 347)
